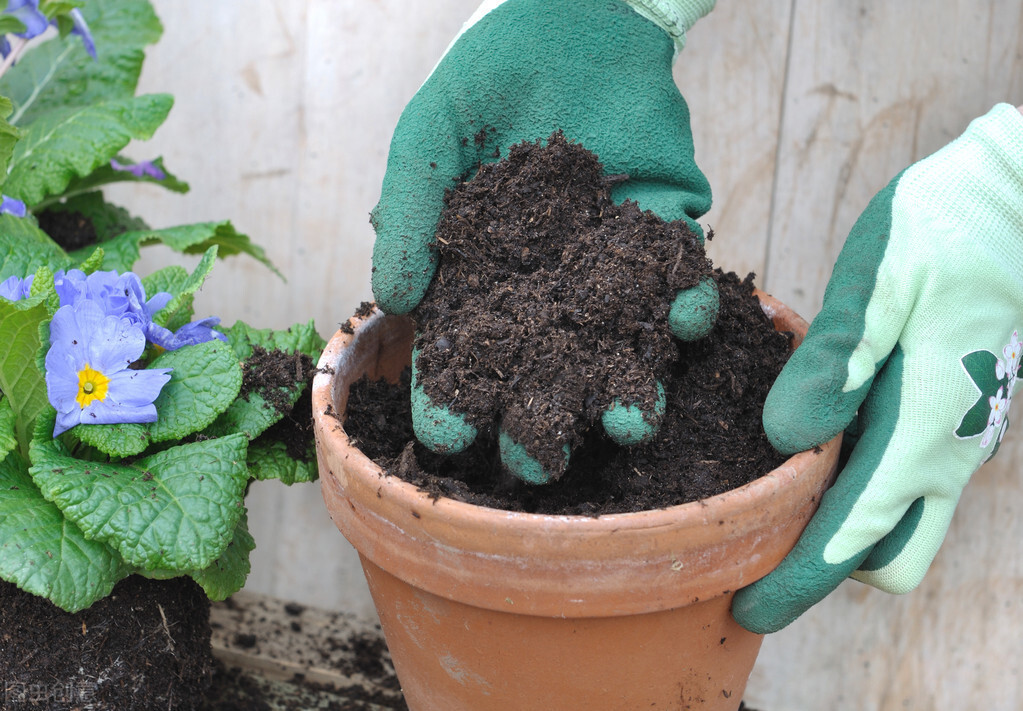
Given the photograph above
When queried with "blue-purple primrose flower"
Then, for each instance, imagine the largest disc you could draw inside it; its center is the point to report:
(12, 206)
(142, 169)
(88, 378)
(99, 331)
(15, 288)
(30, 15)
(36, 23)
(123, 295)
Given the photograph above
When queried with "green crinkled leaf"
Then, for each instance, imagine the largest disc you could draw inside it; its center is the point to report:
(106, 175)
(94, 262)
(172, 279)
(175, 510)
(9, 24)
(45, 554)
(52, 8)
(24, 248)
(179, 308)
(59, 73)
(249, 414)
(269, 459)
(21, 380)
(9, 135)
(68, 143)
(205, 379)
(200, 237)
(43, 285)
(227, 574)
(252, 413)
(8, 420)
(119, 440)
(300, 338)
(124, 246)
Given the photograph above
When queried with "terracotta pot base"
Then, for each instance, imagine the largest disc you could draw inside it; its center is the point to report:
(445, 652)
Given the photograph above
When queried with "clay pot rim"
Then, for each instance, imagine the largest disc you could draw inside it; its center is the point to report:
(726, 504)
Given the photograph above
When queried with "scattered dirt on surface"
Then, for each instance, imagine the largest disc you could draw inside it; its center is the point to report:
(365, 310)
(274, 375)
(351, 652)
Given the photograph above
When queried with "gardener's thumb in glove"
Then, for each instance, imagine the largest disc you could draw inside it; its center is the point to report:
(920, 336)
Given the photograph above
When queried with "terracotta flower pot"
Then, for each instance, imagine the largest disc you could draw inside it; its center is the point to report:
(487, 609)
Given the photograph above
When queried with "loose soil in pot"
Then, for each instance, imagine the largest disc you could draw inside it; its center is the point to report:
(549, 301)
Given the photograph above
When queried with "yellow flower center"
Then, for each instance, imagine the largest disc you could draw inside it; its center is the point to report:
(92, 386)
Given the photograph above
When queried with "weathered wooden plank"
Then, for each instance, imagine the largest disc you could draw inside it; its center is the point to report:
(872, 87)
(732, 75)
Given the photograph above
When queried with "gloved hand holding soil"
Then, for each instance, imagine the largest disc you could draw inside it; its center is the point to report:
(520, 70)
(549, 310)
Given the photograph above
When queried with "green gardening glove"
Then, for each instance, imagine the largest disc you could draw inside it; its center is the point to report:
(598, 70)
(920, 335)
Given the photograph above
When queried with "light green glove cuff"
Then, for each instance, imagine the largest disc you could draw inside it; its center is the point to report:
(673, 16)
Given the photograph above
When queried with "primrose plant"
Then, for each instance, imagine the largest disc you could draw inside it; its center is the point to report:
(129, 431)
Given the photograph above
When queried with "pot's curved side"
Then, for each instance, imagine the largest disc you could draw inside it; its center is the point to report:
(487, 609)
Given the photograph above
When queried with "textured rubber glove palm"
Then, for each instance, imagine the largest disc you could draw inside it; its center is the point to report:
(920, 335)
(599, 71)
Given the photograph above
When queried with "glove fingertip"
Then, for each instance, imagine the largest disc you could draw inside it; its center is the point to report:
(438, 428)
(524, 467)
(798, 412)
(758, 611)
(630, 425)
(695, 311)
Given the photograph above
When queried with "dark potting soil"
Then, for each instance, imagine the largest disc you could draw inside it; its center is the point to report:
(145, 646)
(71, 230)
(711, 439)
(274, 375)
(549, 302)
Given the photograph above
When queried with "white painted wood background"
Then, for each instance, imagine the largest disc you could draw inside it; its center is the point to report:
(802, 110)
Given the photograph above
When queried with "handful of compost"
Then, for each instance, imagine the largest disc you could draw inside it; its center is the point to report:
(520, 71)
(550, 307)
